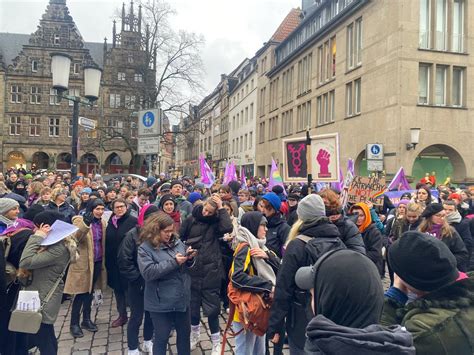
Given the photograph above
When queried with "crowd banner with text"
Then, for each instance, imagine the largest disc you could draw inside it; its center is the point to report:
(324, 159)
(364, 188)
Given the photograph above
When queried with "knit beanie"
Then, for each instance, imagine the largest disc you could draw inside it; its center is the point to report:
(310, 207)
(150, 181)
(423, 262)
(273, 199)
(86, 190)
(32, 212)
(432, 209)
(164, 199)
(145, 212)
(47, 217)
(194, 196)
(176, 182)
(7, 204)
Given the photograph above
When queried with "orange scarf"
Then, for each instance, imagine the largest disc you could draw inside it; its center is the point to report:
(368, 218)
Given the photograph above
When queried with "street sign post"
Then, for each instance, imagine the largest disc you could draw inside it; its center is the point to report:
(87, 123)
(149, 123)
(374, 151)
(148, 145)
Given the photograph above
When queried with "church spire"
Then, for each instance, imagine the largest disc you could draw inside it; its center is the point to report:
(123, 17)
(114, 35)
(140, 18)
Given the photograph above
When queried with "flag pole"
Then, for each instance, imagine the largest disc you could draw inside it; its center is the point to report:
(308, 160)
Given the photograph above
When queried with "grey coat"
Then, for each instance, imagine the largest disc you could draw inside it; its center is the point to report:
(46, 267)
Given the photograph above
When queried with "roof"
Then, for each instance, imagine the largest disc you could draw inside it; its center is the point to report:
(11, 44)
(291, 21)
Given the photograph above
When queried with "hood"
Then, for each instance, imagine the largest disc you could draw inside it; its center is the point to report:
(252, 221)
(326, 337)
(368, 218)
(320, 227)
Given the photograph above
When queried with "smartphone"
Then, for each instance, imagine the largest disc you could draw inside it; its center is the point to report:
(190, 252)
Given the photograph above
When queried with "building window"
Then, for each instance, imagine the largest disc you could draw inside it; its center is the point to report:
(250, 140)
(15, 125)
(262, 101)
(441, 25)
(458, 26)
(357, 96)
(440, 86)
(130, 58)
(138, 78)
(251, 111)
(121, 76)
(458, 87)
(114, 101)
(303, 116)
(53, 97)
(425, 24)
(273, 128)
(274, 94)
(261, 133)
(287, 123)
(56, 39)
(349, 107)
(35, 95)
(304, 74)
(34, 65)
(287, 86)
(53, 127)
(241, 144)
(354, 44)
(130, 102)
(76, 68)
(353, 97)
(134, 130)
(15, 94)
(246, 141)
(246, 115)
(325, 107)
(35, 126)
(424, 84)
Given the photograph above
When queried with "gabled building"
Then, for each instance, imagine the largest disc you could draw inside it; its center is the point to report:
(36, 126)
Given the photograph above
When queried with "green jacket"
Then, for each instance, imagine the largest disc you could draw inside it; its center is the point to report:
(441, 322)
(46, 266)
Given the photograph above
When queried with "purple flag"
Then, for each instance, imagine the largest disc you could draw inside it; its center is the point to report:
(275, 177)
(207, 177)
(243, 179)
(350, 166)
(399, 181)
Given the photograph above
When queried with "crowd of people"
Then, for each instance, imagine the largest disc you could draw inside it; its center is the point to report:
(173, 251)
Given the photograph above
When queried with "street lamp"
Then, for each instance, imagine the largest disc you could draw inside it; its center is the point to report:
(414, 138)
(60, 69)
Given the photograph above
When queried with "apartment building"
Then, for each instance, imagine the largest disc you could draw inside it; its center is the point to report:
(372, 70)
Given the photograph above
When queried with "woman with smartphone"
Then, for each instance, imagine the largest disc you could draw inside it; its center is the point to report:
(163, 261)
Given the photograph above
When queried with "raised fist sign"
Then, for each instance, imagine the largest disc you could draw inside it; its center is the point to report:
(323, 159)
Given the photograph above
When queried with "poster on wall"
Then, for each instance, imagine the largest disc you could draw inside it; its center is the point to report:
(295, 168)
(325, 157)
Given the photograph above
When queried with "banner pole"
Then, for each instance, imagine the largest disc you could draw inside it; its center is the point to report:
(308, 161)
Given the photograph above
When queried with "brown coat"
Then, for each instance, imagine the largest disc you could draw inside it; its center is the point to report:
(80, 274)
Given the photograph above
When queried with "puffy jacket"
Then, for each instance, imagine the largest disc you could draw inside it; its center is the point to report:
(286, 292)
(441, 322)
(65, 209)
(167, 284)
(350, 234)
(373, 241)
(292, 215)
(127, 257)
(277, 233)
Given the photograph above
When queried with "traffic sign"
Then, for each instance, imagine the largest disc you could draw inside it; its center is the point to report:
(149, 123)
(148, 145)
(374, 151)
(87, 123)
(375, 165)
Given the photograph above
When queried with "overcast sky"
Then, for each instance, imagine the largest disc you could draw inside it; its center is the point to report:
(233, 30)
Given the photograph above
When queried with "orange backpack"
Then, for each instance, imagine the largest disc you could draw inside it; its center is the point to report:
(252, 308)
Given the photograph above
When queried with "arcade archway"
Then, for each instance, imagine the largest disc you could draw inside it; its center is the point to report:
(15, 160)
(89, 164)
(41, 160)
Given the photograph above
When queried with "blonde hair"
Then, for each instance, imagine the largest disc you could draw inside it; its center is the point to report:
(294, 231)
(427, 223)
(415, 208)
(36, 187)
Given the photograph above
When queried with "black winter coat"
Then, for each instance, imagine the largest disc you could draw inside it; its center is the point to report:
(203, 233)
(277, 233)
(350, 234)
(66, 210)
(464, 232)
(127, 258)
(457, 247)
(373, 241)
(286, 291)
(113, 239)
(292, 216)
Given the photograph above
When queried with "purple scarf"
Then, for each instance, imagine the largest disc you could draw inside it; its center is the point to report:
(18, 224)
(436, 230)
(31, 199)
(115, 221)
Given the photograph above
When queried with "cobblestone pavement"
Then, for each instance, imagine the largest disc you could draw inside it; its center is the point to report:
(113, 341)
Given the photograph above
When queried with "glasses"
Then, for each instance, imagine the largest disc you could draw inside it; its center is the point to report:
(121, 206)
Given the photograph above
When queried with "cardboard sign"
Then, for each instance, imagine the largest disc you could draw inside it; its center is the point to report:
(295, 154)
(325, 157)
(363, 189)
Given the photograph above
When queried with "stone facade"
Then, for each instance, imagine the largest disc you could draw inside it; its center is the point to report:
(36, 126)
(371, 70)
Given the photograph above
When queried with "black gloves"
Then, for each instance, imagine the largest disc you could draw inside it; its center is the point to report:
(87, 218)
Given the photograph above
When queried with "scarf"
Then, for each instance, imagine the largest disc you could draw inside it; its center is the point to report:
(454, 217)
(114, 220)
(436, 230)
(263, 269)
(176, 216)
(13, 226)
(137, 203)
(31, 199)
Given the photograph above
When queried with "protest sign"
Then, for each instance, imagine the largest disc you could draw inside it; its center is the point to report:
(295, 168)
(325, 157)
(363, 189)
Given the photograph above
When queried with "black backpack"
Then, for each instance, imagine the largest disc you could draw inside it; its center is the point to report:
(301, 312)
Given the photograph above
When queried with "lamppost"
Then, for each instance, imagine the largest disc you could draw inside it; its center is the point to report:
(60, 69)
